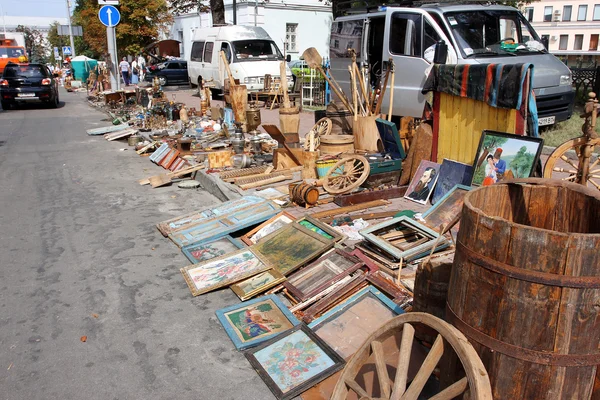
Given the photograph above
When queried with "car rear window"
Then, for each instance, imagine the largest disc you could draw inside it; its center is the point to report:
(25, 71)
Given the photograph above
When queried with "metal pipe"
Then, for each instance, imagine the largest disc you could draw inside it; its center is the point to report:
(70, 29)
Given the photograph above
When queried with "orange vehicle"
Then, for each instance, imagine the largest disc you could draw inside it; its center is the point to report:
(10, 51)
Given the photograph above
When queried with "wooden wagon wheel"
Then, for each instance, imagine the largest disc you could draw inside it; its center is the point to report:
(347, 174)
(577, 166)
(321, 127)
(476, 379)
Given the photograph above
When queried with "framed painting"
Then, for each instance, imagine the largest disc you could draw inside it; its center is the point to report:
(320, 228)
(346, 326)
(321, 274)
(446, 209)
(210, 249)
(257, 284)
(253, 322)
(404, 238)
(267, 227)
(423, 182)
(292, 246)
(294, 361)
(452, 173)
(223, 271)
(502, 156)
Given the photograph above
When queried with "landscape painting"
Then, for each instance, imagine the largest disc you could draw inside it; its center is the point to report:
(222, 271)
(257, 284)
(208, 250)
(294, 361)
(502, 156)
(256, 321)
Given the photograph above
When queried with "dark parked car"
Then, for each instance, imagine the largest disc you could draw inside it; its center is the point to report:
(24, 83)
(169, 72)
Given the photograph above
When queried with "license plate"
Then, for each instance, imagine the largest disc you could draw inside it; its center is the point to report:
(546, 121)
(26, 95)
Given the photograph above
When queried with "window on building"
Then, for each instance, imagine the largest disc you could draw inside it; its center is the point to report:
(567, 13)
(548, 14)
(546, 40)
(529, 13)
(291, 31)
(336, 44)
(578, 45)
(180, 38)
(208, 52)
(594, 42)
(596, 16)
(564, 41)
(582, 13)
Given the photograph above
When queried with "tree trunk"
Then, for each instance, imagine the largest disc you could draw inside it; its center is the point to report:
(217, 9)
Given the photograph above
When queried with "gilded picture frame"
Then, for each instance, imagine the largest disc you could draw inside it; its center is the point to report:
(257, 284)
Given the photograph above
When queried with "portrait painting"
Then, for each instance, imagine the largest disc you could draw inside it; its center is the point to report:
(257, 284)
(293, 361)
(255, 321)
(452, 173)
(291, 247)
(502, 156)
(422, 184)
(204, 251)
(222, 271)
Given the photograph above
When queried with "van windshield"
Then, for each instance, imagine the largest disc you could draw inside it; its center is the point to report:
(493, 33)
(11, 52)
(250, 50)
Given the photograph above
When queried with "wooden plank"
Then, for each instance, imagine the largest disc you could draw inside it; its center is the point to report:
(381, 367)
(366, 196)
(264, 182)
(365, 216)
(348, 209)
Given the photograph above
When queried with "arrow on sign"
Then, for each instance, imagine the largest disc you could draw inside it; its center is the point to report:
(109, 13)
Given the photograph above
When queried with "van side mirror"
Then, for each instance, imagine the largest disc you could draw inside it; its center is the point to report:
(288, 58)
(441, 52)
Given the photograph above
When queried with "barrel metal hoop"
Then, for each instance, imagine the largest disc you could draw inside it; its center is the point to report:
(520, 353)
(544, 278)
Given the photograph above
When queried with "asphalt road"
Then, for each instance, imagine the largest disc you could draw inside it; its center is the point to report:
(81, 256)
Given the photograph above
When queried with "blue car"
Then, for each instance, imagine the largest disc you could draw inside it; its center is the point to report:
(170, 72)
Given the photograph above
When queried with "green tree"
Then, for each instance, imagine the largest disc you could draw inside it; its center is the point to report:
(142, 21)
(521, 164)
(215, 7)
(35, 45)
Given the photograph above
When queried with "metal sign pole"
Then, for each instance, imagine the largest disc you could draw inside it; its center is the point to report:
(115, 82)
(70, 29)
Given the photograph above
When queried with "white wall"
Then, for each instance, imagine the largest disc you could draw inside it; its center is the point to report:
(313, 18)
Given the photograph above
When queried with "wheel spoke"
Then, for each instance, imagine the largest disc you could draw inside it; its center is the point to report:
(408, 333)
(436, 352)
(570, 171)
(452, 391)
(595, 184)
(356, 388)
(382, 374)
(569, 178)
(566, 159)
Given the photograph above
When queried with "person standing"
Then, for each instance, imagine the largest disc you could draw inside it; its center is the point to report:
(125, 68)
(499, 164)
(142, 66)
(134, 72)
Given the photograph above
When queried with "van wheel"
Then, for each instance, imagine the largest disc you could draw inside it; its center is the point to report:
(5, 105)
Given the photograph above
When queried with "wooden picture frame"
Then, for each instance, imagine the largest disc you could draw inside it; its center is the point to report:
(257, 284)
(423, 238)
(311, 361)
(223, 271)
(321, 274)
(291, 247)
(510, 146)
(421, 186)
(365, 305)
(267, 227)
(452, 173)
(320, 227)
(446, 209)
(211, 248)
(253, 322)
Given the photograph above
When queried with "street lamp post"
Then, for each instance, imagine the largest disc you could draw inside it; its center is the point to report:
(70, 29)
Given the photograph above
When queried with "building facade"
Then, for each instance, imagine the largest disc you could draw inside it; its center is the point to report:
(294, 25)
(572, 28)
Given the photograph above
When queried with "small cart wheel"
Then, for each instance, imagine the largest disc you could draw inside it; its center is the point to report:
(347, 174)
(575, 166)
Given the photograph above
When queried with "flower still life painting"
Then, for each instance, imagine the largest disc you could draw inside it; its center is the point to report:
(222, 271)
(204, 251)
(294, 361)
(255, 321)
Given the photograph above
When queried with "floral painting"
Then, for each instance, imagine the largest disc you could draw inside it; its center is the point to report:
(206, 251)
(222, 271)
(293, 360)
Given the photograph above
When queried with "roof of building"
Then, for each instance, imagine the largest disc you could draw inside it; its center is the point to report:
(40, 22)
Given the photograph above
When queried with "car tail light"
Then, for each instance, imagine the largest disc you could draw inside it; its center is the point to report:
(3, 82)
(46, 81)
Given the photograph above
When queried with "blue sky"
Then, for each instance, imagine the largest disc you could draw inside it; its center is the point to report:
(35, 8)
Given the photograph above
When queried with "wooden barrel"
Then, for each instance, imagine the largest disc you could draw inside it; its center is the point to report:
(525, 287)
(289, 122)
(342, 119)
(335, 144)
(431, 290)
(305, 194)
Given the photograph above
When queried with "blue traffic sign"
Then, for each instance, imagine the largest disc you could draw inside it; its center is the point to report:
(109, 16)
(66, 50)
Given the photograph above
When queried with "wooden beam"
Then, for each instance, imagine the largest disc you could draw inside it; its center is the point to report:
(346, 210)
(358, 198)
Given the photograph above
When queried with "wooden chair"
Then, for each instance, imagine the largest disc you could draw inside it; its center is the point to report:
(275, 92)
(266, 87)
(296, 94)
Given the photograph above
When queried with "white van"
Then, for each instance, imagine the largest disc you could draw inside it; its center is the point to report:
(250, 51)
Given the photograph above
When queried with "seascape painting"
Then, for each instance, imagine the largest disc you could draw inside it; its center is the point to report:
(222, 271)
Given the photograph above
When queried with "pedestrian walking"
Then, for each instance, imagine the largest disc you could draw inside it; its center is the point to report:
(125, 69)
(142, 67)
(134, 72)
